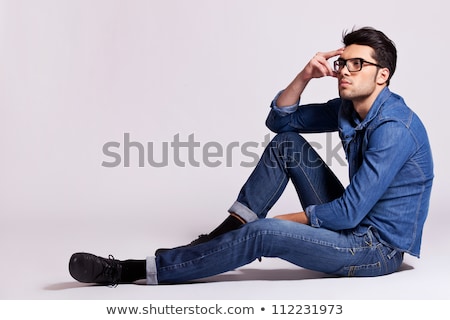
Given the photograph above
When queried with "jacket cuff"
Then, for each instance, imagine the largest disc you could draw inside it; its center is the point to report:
(284, 111)
(314, 221)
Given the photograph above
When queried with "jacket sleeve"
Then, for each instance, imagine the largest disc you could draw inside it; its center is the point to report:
(309, 118)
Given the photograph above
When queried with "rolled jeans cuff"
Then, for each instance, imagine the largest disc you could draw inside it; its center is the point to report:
(151, 271)
(242, 211)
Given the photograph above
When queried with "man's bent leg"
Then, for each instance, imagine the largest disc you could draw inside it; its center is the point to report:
(288, 156)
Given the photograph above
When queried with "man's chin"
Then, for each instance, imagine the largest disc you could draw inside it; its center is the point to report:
(342, 95)
(345, 95)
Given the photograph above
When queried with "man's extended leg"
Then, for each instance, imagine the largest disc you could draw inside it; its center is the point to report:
(340, 253)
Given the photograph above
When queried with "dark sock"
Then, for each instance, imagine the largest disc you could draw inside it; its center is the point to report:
(133, 270)
(232, 222)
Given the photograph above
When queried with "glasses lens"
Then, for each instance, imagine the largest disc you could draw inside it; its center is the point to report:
(338, 64)
(354, 65)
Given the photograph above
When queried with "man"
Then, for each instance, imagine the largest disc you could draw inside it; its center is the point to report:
(362, 230)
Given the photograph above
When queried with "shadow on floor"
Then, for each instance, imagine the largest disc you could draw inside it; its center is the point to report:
(245, 274)
(242, 274)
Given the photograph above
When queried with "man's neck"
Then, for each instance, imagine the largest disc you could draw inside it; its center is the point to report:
(362, 109)
(363, 106)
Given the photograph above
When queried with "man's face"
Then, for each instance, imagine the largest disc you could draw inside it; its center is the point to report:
(359, 85)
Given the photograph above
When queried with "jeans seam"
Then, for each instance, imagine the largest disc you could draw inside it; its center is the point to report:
(310, 184)
(280, 185)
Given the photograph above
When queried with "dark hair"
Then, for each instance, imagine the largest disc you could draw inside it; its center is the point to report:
(384, 48)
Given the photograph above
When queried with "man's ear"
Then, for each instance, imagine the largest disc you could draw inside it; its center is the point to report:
(383, 76)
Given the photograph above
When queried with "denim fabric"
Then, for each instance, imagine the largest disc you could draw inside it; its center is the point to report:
(361, 230)
(343, 253)
(288, 157)
(390, 167)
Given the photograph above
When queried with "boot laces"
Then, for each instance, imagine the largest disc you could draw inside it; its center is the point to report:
(111, 271)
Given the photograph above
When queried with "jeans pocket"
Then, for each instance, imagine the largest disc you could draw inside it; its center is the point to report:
(364, 270)
(392, 259)
(376, 261)
(365, 258)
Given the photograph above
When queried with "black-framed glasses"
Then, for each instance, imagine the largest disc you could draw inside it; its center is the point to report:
(353, 65)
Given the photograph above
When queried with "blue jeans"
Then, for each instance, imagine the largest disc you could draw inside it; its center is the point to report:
(288, 157)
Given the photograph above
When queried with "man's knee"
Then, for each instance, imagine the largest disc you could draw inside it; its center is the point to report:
(295, 150)
(291, 137)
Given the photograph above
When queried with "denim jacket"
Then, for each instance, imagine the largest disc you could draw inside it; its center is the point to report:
(390, 167)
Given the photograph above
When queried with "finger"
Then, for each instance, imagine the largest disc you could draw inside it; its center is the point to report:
(324, 66)
(330, 54)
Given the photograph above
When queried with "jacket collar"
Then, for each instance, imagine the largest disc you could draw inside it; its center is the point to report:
(376, 106)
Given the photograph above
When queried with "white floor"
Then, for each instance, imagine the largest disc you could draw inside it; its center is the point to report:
(34, 266)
